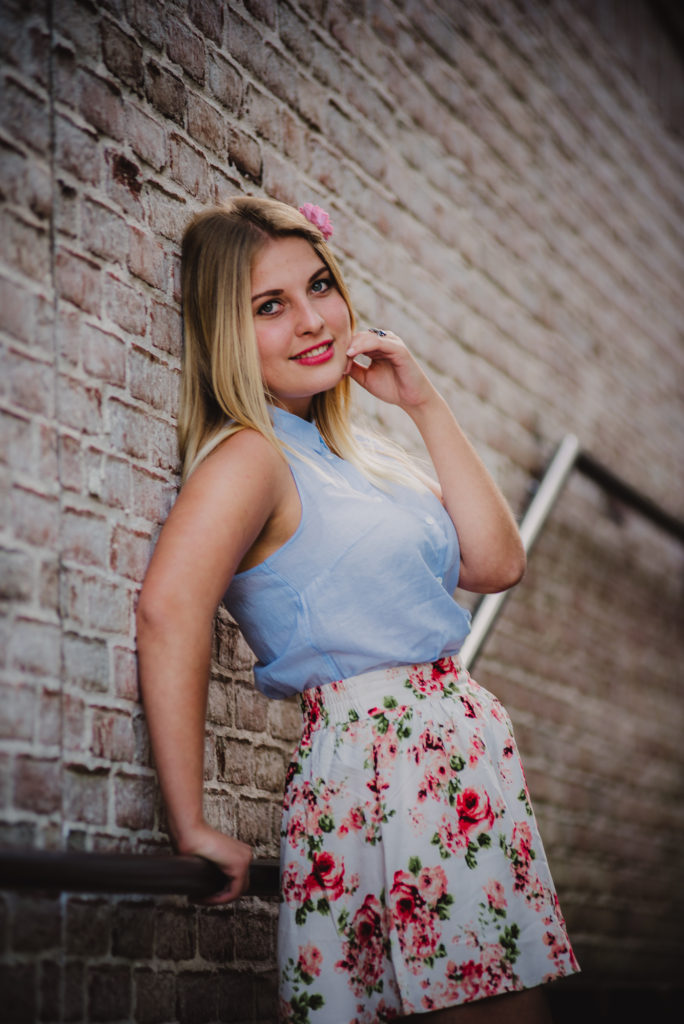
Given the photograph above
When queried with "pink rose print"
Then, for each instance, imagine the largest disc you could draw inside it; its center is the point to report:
(310, 959)
(495, 893)
(474, 811)
(352, 822)
(319, 218)
(432, 883)
(364, 950)
(326, 876)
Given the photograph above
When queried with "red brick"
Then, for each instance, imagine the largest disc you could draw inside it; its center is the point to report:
(176, 933)
(78, 279)
(265, 114)
(110, 996)
(122, 53)
(77, 151)
(153, 495)
(85, 538)
(25, 246)
(146, 136)
(86, 794)
(124, 182)
(255, 937)
(186, 48)
(25, 115)
(151, 380)
(24, 314)
(148, 16)
(255, 822)
(165, 328)
(74, 738)
(188, 166)
(88, 927)
(125, 674)
(125, 305)
(163, 445)
(146, 258)
(168, 212)
(86, 663)
(104, 232)
(104, 356)
(133, 932)
(235, 761)
(50, 718)
(94, 603)
(17, 720)
(35, 647)
(197, 996)
(101, 104)
(225, 82)
(130, 553)
(245, 154)
(37, 785)
(28, 383)
(77, 23)
(109, 479)
(206, 124)
(129, 429)
(165, 91)
(265, 10)
(80, 405)
(208, 17)
(270, 770)
(112, 735)
(236, 991)
(25, 181)
(155, 996)
(134, 801)
(16, 575)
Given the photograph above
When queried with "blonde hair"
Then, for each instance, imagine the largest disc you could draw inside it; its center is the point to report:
(222, 390)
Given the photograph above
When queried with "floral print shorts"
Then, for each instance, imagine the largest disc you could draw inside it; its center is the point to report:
(413, 874)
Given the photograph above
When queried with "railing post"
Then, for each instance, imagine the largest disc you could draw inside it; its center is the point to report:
(547, 493)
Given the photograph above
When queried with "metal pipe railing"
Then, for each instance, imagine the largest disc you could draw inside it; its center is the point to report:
(568, 456)
(546, 496)
(132, 873)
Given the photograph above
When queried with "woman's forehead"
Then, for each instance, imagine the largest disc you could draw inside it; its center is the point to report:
(285, 257)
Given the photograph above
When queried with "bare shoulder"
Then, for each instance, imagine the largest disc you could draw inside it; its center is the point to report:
(246, 464)
(219, 513)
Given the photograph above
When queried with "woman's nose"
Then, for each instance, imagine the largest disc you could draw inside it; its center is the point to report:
(309, 320)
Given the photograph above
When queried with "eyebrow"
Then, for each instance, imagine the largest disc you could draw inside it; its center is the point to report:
(279, 291)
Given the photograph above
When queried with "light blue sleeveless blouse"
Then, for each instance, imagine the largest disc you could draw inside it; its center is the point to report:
(365, 582)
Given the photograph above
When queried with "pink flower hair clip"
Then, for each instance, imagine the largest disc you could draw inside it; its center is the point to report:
(319, 218)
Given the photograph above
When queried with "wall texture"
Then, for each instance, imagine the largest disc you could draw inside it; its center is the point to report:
(506, 179)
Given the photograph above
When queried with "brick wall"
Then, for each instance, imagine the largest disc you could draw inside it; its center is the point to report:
(506, 188)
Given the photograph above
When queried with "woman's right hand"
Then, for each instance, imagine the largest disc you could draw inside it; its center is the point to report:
(230, 855)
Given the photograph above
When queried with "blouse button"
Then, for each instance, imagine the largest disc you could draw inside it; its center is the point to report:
(429, 520)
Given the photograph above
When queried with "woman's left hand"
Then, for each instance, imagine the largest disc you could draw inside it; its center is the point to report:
(393, 375)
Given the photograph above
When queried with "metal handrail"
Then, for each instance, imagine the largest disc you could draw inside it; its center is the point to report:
(132, 873)
(194, 877)
(568, 457)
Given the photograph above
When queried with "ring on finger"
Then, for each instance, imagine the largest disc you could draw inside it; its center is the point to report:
(376, 330)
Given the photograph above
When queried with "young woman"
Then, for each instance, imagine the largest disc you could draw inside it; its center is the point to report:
(413, 876)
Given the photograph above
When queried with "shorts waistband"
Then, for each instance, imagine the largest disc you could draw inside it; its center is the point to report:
(371, 692)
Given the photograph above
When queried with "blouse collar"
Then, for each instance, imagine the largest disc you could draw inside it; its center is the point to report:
(293, 428)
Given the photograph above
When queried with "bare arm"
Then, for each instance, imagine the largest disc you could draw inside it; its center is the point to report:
(218, 516)
(492, 554)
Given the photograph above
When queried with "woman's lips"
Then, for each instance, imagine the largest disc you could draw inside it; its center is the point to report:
(316, 354)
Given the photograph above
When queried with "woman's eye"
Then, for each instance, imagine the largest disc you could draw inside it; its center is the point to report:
(321, 285)
(267, 308)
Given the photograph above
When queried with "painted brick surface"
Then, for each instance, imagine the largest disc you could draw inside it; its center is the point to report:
(505, 179)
